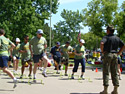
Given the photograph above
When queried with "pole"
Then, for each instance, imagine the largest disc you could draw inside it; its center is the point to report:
(50, 23)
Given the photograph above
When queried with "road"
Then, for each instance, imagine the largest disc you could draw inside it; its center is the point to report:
(58, 83)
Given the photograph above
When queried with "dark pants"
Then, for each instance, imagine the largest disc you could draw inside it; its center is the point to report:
(76, 62)
(110, 63)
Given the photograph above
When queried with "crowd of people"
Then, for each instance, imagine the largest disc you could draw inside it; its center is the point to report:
(34, 50)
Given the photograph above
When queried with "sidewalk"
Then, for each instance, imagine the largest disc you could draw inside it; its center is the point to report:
(58, 84)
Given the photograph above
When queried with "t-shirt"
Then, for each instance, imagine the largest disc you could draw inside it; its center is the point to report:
(4, 43)
(27, 54)
(64, 49)
(55, 51)
(111, 43)
(80, 49)
(16, 50)
(38, 45)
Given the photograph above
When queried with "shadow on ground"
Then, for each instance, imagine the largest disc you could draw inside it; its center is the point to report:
(6, 90)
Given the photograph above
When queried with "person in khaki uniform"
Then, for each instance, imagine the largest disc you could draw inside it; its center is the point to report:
(109, 47)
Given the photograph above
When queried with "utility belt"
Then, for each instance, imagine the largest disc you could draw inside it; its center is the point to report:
(110, 52)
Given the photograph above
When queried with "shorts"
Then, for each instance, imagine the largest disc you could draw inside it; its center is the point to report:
(16, 57)
(65, 61)
(36, 58)
(9, 58)
(57, 59)
(4, 61)
(24, 61)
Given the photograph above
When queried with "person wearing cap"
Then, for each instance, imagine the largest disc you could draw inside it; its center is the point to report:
(16, 55)
(39, 44)
(4, 56)
(79, 58)
(25, 56)
(65, 51)
(55, 52)
(109, 47)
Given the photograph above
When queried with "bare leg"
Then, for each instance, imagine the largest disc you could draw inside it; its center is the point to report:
(8, 72)
(30, 68)
(22, 69)
(35, 69)
(17, 62)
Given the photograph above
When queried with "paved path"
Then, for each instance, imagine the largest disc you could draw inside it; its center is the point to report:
(58, 84)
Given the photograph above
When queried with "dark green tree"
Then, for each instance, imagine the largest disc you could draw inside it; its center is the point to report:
(120, 22)
(68, 29)
(20, 17)
(99, 14)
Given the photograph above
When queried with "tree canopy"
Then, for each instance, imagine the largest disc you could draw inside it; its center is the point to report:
(20, 17)
(68, 29)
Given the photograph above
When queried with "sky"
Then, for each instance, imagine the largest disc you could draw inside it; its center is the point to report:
(73, 5)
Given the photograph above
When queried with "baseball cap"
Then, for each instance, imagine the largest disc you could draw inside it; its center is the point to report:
(39, 31)
(67, 42)
(17, 40)
(58, 43)
(82, 41)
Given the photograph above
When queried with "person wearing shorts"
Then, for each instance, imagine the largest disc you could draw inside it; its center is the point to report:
(16, 56)
(65, 51)
(37, 46)
(55, 52)
(25, 56)
(4, 43)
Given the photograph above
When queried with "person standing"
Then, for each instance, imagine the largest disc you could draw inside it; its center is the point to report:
(109, 46)
(25, 56)
(39, 44)
(79, 58)
(55, 52)
(16, 56)
(4, 56)
(65, 51)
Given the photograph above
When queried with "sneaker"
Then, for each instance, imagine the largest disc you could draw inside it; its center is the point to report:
(82, 77)
(55, 68)
(44, 74)
(34, 80)
(21, 76)
(10, 66)
(66, 74)
(15, 83)
(57, 72)
(72, 77)
(30, 77)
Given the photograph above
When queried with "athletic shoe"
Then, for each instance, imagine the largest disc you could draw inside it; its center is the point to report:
(21, 76)
(44, 74)
(66, 74)
(15, 83)
(57, 72)
(34, 80)
(30, 77)
(72, 77)
(82, 77)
